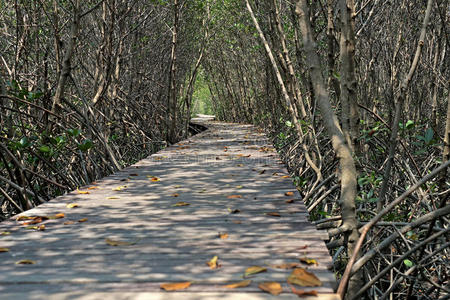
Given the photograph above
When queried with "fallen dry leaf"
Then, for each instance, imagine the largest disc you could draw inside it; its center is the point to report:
(112, 198)
(240, 284)
(302, 277)
(175, 286)
(233, 211)
(35, 221)
(41, 227)
(223, 235)
(239, 165)
(213, 263)
(289, 194)
(155, 179)
(290, 201)
(271, 287)
(285, 266)
(112, 242)
(273, 214)
(175, 195)
(302, 293)
(22, 218)
(181, 204)
(254, 270)
(286, 176)
(83, 192)
(239, 186)
(4, 250)
(25, 262)
(5, 233)
(57, 216)
(119, 188)
(82, 220)
(69, 223)
(262, 172)
(134, 174)
(234, 197)
(308, 261)
(72, 205)
(237, 222)
(93, 187)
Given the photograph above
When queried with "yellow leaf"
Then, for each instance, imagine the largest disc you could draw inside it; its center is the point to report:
(25, 262)
(286, 176)
(4, 250)
(223, 235)
(119, 188)
(241, 284)
(5, 233)
(239, 186)
(82, 220)
(93, 187)
(181, 204)
(72, 205)
(83, 192)
(271, 287)
(302, 277)
(308, 261)
(112, 242)
(112, 198)
(175, 286)
(213, 263)
(177, 186)
(254, 270)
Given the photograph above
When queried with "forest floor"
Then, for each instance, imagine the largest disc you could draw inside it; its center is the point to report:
(198, 215)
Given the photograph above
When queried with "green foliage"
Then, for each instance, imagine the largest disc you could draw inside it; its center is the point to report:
(201, 99)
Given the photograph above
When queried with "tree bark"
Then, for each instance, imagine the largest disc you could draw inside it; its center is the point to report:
(172, 95)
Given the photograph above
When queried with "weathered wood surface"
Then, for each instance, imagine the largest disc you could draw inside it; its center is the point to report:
(171, 243)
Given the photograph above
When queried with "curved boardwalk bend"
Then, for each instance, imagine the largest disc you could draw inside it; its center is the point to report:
(233, 182)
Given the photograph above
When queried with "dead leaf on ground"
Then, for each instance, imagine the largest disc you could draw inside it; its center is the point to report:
(119, 188)
(5, 233)
(35, 221)
(239, 165)
(112, 198)
(302, 277)
(290, 194)
(57, 216)
(240, 284)
(112, 242)
(273, 214)
(271, 287)
(25, 262)
(40, 228)
(223, 236)
(262, 172)
(134, 174)
(175, 286)
(290, 201)
(213, 263)
(237, 222)
(72, 205)
(239, 186)
(82, 192)
(254, 270)
(82, 220)
(233, 211)
(234, 197)
(4, 250)
(175, 195)
(285, 266)
(22, 218)
(308, 261)
(286, 176)
(181, 204)
(302, 293)
(69, 223)
(155, 179)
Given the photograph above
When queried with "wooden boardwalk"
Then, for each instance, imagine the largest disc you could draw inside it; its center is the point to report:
(234, 183)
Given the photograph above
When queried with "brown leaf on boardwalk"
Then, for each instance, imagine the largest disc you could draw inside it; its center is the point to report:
(69, 223)
(22, 218)
(285, 266)
(181, 204)
(286, 176)
(262, 172)
(72, 205)
(112, 198)
(82, 220)
(308, 261)
(57, 216)
(223, 236)
(119, 188)
(289, 194)
(93, 187)
(155, 179)
(83, 192)
(134, 174)
(271, 287)
(213, 263)
(237, 222)
(233, 211)
(302, 293)
(290, 201)
(302, 277)
(4, 250)
(240, 284)
(40, 228)
(175, 195)
(273, 214)
(234, 197)
(239, 165)
(112, 242)
(35, 221)
(25, 262)
(254, 270)
(175, 286)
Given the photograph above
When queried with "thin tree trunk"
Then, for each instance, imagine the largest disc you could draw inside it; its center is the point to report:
(172, 96)
(340, 146)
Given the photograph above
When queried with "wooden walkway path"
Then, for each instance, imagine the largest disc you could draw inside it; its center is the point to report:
(235, 185)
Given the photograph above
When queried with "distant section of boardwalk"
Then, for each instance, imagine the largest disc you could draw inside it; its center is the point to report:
(223, 192)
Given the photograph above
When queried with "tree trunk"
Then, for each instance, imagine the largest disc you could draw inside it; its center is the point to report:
(172, 95)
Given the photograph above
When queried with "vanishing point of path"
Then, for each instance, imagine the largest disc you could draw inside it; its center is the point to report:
(223, 192)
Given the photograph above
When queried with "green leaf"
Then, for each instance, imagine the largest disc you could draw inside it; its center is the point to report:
(408, 263)
(44, 149)
(429, 133)
(24, 142)
(73, 132)
(86, 145)
(409, 124)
